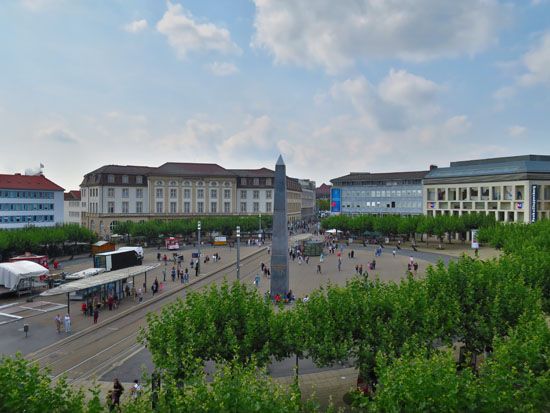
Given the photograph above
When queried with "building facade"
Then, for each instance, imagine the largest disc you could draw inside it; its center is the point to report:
(115, 193)
(308, 207)
(512, 189)
(378, 193)
(73, 209)
(29, 200)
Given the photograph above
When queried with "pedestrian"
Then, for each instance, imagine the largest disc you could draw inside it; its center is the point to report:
(393, 252)
(58, 323)
(136, 389)
(257, 280)
(361, 269)
(339, 265)
(67, 323)
(307, 259)
(173, 274)
(140, 295)
(415, 267)
(117, 392)
(96, 313)
(158, 256)
(357, 269)
(133, 292)
(186, 276)
(110, 301)
(373, 264)
(164, 274)
(411, 260)
(319, 269)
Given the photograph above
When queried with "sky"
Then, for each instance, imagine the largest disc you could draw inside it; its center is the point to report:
(334, 86)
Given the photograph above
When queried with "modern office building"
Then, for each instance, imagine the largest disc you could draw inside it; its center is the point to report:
(73, 208)
(29, 200)
(378, 193)
(115, 193)
(512, 189)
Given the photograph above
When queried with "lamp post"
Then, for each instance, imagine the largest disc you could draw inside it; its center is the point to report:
(199, 244)
(260, 235)
(238, 253)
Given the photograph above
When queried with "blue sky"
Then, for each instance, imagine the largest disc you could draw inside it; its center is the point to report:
(353, 85)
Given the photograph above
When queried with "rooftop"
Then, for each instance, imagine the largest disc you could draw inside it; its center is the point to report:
(191, 169)
(383, 176)
(253, 173)
(35, 182)
(494, 166)
(123, 169)
(72, 196)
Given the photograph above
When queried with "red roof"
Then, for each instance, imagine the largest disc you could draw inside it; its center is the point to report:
(72, 196)
(37, 182)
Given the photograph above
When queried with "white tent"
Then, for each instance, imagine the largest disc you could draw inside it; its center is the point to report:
(11, 273)
(333, 231)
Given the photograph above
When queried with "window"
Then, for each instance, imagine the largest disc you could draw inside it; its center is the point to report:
(243, 194)
(268, 194)
(256, 194)
(111, 192)
(200, 193)
(243, 206)
(227, 207)
(110, 179)
(213, 193)
(256, 181)
(256, 207)
(173, 183)
(268, 207)
(160, 183)
(113, 225)
(159, 192)
(200, 183)
(187, 193)
(159, 208)
(173, 207)
(139, 207)
(227, 193)
(187, 207)
(124, 179)
(83, 192)
(139, 179)
(200, 207)
(125, 208)
(173, 193)
(268, 181)
(243, 181)
(213, 207)
(125, 192)
(139, 193)
(186, 183)
(110, 207)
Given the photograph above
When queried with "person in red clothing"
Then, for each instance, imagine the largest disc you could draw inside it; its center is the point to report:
(277, 298)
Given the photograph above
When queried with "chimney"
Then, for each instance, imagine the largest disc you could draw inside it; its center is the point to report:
(432, 167)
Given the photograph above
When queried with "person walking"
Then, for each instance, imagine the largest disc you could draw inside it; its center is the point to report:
(67, 323)
(117, 392)
(339, 264)
(96, 313)
(393, 252)
(319, 269)
(173, 274)
(136, 389)
(58, 323)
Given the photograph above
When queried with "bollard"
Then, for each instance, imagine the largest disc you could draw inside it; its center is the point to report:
(26, 329)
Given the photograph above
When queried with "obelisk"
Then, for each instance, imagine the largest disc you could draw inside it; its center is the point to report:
(279, 248)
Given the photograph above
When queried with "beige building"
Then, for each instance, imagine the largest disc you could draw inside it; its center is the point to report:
(512, 189)
(115, 193)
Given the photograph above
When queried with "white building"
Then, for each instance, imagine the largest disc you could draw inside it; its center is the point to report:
(73, 208)
(512, 189)
(29, 200)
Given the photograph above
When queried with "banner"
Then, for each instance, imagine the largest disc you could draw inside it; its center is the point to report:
(534, 199)
(335, 200)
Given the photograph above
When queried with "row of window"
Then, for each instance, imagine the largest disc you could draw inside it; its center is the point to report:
(384, 194)
(159, 193)
(381, 183)
(173, 206)
(256, 207)
(256, 194)
(26, 207)
(125, 179)
(17, 219)
(74, 214)
(392, 204)
(26, 194)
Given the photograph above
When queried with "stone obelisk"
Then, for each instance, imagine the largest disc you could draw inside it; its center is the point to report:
(279, 248)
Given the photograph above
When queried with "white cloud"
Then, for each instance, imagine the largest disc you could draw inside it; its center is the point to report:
(255, 138)
(185, 34)
(537, 63)
(336, 35)
(223, 68)
(136, 26)
(517, 130)
(197, 134)
(54, 134)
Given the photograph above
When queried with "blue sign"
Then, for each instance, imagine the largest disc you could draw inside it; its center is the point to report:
(335, 200)
(534, 199)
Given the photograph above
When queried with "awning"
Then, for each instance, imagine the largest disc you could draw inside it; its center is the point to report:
(101, 279)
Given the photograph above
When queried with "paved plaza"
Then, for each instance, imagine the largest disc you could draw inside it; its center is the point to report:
(304, 278)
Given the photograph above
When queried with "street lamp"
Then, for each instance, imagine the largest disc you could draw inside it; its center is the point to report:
(199, 243)
(260, 236)
(238, 253)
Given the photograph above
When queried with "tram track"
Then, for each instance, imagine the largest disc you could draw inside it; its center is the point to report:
(95, 350)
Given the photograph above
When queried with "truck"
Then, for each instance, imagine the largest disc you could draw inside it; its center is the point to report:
(116, 260)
